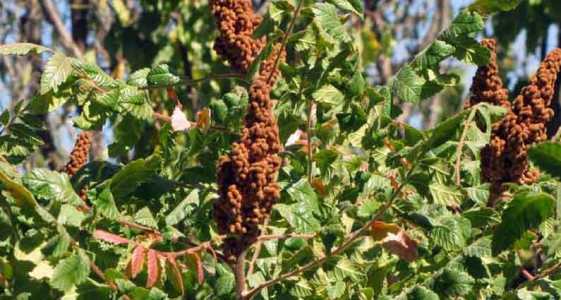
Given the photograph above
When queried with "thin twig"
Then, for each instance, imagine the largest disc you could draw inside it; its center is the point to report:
(256, 251)
(138, 226)
(549, 271)
(239, 274)
(346, 244)
(309, 139)
(191, 250)
(460, 147)
(264, 238)
(285, 38)
(101, 275)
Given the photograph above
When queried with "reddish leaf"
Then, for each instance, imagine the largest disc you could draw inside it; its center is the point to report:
(380, 230)
(173, 96)
(137, 260)
(203, 118)
(199, 266)
(153, 268)
(109, 237)
(177, 278)
(401, 245)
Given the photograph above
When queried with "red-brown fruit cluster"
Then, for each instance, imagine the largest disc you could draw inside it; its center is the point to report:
(236, 23)
(505, 159)
(487, 85)
(79, 155)
(247, 177)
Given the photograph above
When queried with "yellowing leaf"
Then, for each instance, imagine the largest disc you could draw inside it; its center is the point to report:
(203, 118)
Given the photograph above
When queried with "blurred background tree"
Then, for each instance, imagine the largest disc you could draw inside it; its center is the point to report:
(125, 35)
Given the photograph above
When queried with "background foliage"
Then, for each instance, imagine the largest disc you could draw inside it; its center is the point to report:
(382, 196)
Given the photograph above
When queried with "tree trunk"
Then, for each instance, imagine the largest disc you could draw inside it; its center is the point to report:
(79, 15)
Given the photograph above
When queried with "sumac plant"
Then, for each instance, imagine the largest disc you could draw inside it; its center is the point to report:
(291, 177)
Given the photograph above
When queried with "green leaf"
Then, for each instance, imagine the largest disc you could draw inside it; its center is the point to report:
(345, 268)
(57, 70)
(329, 95)
(105, 204)
(547, 157)
(368, 208)
(445, 195)
(145, 217)
(139, 78)
(299, 216)
(225, 281)
(11, 182)
(465, 24)
(407, 85)
(433, 55)
(487, 7)
(445, 131)
(70, 272)
(180, 211)
(161, 76)
(337, 290)
(422, 293)
(478, 194)
(353, 120)
(70, 215)
(51, 185)
(479, 217)
(470, 51)
(479, 248)
(266, 26)
(22, 49)
(453, 283)
(354, 6)
(451, 233)
(525, 211)
(95, 75)
(327, 20)
(132, 175)
(302, 289)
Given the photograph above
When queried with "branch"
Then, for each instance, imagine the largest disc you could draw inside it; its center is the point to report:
(239, 274)
(354, 236)
(286, 236)
(53, 17)
(101, 275)
(309, 148)
(285, 38)
(549, 271)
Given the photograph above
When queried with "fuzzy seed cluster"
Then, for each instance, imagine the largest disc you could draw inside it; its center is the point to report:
(505, 158)
(487, 85)
(247, 177)
(236, 23)
(79, 154)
